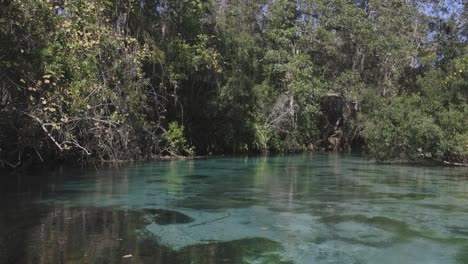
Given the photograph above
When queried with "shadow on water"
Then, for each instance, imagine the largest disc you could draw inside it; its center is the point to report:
(109, 235)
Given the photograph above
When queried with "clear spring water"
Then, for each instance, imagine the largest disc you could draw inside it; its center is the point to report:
(312, 208)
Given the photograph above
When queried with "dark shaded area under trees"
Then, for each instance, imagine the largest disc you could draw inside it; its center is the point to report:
(113, 80)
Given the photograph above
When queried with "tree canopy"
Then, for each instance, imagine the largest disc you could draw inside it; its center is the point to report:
(126, 79)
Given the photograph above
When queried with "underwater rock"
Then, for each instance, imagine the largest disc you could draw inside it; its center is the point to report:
(371, 231)
(168, 217)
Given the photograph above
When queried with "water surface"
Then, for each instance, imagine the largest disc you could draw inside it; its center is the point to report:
(311, 208)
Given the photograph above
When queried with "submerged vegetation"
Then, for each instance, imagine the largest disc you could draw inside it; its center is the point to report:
(125, 80)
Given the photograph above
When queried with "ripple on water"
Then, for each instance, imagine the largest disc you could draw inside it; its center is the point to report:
(196, 176)
(459, 231)
(248, 250)
(370, 231)
(322, 208)
(411, 196)
(165, 181)
(462, 256)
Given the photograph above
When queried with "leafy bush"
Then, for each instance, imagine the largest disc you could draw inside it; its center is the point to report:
(175, 140)
(429, 124)
(400, 130)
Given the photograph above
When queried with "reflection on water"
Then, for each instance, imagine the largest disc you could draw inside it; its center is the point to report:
(109, 235)
(286, 209)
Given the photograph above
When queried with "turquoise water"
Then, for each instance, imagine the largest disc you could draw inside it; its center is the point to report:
(313, 208)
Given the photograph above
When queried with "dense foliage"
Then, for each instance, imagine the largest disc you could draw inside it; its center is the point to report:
(127, 79)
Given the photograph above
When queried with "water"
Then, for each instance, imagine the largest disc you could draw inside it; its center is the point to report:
(288, 209)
